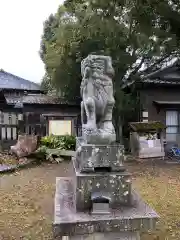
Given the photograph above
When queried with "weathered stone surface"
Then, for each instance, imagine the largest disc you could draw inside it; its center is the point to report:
(117, 185)
(90, 157)
(68, 222)
(107, 236)
(4, 167)
(100, 208)
(98, 100)
(96, 137)
(56, 155)
(25, 145)
(79, 142)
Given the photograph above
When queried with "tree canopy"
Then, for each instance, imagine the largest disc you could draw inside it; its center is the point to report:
(140, 36)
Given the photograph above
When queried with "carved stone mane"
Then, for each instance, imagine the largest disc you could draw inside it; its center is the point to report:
(98, 99)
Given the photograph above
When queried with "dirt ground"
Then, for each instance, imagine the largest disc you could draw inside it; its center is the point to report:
(27, 197)
(159, 185)
(26, 202)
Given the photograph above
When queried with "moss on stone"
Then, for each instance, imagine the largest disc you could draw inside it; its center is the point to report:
(147, 126)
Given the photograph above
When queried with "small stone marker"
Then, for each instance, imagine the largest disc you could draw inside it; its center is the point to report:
(100, 203)
(101, 208)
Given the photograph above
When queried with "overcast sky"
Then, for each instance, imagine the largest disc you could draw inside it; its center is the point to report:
(21, 26)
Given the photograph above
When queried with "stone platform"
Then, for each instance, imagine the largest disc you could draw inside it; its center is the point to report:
(124, 220)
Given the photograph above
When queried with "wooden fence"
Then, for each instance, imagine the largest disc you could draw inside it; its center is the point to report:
(31, 124)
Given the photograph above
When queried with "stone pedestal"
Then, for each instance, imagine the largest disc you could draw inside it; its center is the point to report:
(122, 223)
(117, 185)
(99, 203)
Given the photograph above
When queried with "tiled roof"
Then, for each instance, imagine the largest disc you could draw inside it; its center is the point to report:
(167, 102)
(43, 99)
(166, 76)
(169, 75)
(37, 99)
(160, 81)
(10, 81)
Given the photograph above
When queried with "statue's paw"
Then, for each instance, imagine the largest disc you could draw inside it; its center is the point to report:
(90, 127)
(90, 131)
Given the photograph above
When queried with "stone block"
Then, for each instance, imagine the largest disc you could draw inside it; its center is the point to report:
(92, 158)
(79, 142)
(116, 185)
(68, 222)
(25, 145)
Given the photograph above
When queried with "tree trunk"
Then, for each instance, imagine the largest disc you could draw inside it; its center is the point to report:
(118, 125)
(119, 135)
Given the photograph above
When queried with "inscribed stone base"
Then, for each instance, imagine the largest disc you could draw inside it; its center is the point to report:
(117, 185)
(68, 222)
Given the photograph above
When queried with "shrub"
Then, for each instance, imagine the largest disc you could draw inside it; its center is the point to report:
(40, 153)
(66, 142)
(49, 142)
(51, 146)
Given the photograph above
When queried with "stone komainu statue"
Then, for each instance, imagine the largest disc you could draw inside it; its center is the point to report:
(97, 99)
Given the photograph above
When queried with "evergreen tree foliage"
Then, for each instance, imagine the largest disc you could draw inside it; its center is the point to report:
(140, 36)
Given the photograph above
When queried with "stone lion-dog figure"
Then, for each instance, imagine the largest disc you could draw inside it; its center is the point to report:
(97, 98)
